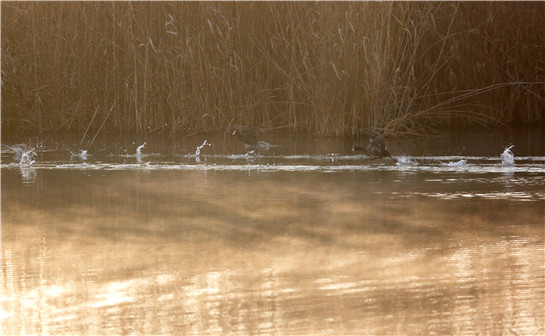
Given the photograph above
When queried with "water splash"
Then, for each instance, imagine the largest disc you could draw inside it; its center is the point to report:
(28, 158)
(406, 161)
(82, 154)
(249, 156)
(507, 157)
(459, 163)
(198, 150)
(332, 157)
(139, 154)
(139, 149)
(19, 150)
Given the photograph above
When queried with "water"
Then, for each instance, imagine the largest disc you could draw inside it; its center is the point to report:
(303, 238)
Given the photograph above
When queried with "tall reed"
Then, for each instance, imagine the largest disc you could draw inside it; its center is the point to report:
(338, 68)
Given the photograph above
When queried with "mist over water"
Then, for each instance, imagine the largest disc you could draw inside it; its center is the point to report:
(159, 173)
(204, 237)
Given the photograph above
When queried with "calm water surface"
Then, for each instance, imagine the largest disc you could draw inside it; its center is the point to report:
(311, 239)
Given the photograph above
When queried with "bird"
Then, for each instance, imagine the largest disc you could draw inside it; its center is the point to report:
(376, 147)
(247, 134)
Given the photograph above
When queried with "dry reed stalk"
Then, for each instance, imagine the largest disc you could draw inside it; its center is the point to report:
(322, 68)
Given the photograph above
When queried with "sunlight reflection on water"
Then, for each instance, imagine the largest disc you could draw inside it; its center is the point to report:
(273, 246)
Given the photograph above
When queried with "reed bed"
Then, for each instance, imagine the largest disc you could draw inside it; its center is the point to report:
(329, 68)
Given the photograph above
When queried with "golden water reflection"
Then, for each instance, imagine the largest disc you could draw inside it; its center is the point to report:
(247, 253)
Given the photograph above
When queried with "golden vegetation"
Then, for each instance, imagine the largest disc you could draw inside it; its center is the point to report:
(338, 68)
